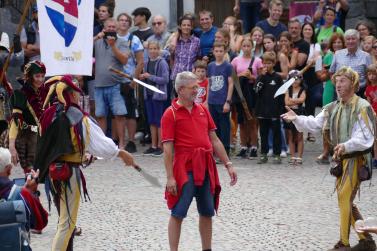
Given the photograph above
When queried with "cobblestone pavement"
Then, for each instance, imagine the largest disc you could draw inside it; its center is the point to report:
(273, 207)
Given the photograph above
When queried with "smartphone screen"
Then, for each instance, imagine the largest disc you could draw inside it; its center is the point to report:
(19, 181)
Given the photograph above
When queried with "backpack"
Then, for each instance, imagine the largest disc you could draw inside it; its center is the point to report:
(13, 220)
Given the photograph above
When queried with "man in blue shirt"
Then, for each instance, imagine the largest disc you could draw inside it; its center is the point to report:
(206, 33)
(272, 24)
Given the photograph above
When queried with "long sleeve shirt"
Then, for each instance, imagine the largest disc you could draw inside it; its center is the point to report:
(361, 138)
(98, 144)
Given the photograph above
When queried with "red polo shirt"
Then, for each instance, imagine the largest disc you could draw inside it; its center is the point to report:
(187, 130)
(190, 133)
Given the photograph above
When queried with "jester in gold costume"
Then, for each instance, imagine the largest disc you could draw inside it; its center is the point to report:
(67, 133)
(352, 126)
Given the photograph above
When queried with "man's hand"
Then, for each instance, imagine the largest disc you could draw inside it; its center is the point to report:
(171, 186)
(232, 174)
(339, 150)
(14, 154)
(127, 158)
(144, 76)
(111, 41)
(367, 229)
(31, 181)
(289, 116)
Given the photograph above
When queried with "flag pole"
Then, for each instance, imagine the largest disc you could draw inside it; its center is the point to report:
(18, 31)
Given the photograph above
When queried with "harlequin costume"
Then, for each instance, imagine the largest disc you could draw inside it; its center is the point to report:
(67, 133)
(352, 124)
(27, 109)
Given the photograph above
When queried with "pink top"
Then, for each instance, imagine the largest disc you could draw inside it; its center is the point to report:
(240, 64)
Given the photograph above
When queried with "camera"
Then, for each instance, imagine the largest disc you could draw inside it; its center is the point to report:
(110, 34)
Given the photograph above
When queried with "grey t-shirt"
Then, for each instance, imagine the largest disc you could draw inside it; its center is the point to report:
(105, 58)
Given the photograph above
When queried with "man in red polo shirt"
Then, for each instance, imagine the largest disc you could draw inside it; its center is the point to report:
(187, 129)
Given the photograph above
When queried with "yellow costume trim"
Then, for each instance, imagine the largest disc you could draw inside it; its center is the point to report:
(15, 110)
(59, 92)
(13, 130)
(76, 157)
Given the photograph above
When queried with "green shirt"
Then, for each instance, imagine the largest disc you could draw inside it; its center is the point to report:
(326, 33)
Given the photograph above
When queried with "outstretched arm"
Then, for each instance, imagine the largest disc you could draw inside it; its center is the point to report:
(305, 123)
(102, 146)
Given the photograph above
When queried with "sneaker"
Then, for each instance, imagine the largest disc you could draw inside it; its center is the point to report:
(253, 153)
(283, 154)
(276, 160)
(157, 152)
(242, 153)
(263, 159)
(149, 151)
(130, 147)
(270, 153)
(365, 245)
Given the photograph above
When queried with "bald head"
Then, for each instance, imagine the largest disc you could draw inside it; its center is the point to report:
(158, 24)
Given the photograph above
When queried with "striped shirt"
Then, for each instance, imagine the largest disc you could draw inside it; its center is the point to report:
(186, 53)
(358, 61)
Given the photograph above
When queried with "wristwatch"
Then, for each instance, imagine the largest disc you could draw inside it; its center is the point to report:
(228, 101)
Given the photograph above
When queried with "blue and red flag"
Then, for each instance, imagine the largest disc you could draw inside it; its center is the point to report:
(64, 16)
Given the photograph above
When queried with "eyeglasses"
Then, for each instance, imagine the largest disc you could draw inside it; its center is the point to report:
(227, 24)
(156, 23)
(374, 46)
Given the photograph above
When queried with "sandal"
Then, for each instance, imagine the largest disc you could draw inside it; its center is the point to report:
(299, 161)
(292, 160)
(322, 160)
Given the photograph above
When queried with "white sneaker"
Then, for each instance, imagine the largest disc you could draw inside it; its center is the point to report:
(270, 153)
(283, 154)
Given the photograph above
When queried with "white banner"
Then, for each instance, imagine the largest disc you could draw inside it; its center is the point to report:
(66, 36)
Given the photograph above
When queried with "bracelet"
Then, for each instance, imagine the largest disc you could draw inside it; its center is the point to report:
(229, 163)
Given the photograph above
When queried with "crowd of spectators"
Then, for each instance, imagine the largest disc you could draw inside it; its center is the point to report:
(240, 52)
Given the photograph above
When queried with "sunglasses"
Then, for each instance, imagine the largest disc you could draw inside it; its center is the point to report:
(156, 23)
(374, 46)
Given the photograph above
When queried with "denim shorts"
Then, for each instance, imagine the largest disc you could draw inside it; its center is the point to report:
(109, 98)
(204, 199)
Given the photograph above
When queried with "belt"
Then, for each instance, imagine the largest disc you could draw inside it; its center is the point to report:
(356, 154)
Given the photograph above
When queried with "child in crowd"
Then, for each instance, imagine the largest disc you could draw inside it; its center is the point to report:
(368, 43)
(268, 109)
(156, 73)
(220, 90)
(200, 70)
(294, 99)
(371, 95)
(246, 68)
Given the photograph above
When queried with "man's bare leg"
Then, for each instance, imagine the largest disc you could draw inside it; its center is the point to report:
(174, 231)
(102, 123)
(205, 229)
(131, 128)
(120, 123)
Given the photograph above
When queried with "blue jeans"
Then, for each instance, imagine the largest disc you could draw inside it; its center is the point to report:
(109, 98)
(222, 122)
(250, 15)
(204, 199)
